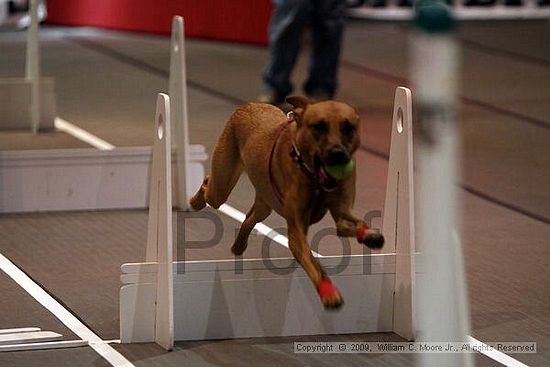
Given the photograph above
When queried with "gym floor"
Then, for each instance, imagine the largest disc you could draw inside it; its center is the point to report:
(106, 83)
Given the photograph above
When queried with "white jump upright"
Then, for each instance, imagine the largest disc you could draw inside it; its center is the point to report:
(28, 102)
(32, 67)
(398, 224)
(178, 106)
(154, 300)
(215, 299)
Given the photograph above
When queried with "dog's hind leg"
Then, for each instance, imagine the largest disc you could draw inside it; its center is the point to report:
(259, 211)
(226, 170)
(198, 201)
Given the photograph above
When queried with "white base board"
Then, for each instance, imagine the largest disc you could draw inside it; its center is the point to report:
(44, 345)
(27, 337)
(15, 102)
(19, 330)
(214, 300)
(82, 179)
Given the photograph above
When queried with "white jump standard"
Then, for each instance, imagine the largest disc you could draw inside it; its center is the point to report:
(29, 102)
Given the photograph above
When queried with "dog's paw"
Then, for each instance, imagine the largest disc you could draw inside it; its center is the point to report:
(238, 249)
(370, 238)
(374, 240)
(330, 295)
(197, 202)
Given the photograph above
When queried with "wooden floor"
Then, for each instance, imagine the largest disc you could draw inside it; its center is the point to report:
(107, 82)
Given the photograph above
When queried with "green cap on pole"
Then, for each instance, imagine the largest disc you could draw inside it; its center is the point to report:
(434, 16)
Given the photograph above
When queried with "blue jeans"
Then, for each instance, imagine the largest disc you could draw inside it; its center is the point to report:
(290, 17)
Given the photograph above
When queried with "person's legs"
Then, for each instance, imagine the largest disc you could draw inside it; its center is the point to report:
(327, 29)
(285, 30)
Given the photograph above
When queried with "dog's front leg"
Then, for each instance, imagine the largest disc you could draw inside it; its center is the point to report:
(347, 225)
(296, 214)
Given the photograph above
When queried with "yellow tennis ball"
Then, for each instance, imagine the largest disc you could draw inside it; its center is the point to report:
(341, 171)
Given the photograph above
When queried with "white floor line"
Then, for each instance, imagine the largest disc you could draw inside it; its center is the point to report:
(93, 140)
(82, 134)
(68, 319)
(260, 227)
(496, 355)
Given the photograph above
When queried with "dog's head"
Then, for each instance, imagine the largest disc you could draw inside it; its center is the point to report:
(328, 132)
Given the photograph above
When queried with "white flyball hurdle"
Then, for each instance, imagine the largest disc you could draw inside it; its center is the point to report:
(92, 179)
(28, 102)
(166, 301)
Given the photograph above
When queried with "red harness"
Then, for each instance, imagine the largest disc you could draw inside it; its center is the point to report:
(274, 187)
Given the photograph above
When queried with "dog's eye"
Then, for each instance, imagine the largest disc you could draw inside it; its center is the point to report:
(320, 127)
(348, 129)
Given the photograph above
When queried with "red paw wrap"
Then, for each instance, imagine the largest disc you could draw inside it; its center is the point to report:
(326, 288)
(362, 233)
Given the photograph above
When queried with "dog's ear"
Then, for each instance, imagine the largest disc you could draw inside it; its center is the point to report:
(299, 103)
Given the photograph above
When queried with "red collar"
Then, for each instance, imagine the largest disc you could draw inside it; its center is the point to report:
(318, 175)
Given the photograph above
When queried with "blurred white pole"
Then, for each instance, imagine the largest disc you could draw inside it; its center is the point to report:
(442, 303)
(178, 105)
(32, 70)
(3, 11)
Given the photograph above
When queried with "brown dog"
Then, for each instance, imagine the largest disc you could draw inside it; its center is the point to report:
(258, 138)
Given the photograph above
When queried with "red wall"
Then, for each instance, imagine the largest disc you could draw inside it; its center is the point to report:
(230, 20)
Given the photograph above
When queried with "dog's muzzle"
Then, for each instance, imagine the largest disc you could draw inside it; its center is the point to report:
(336, 156)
